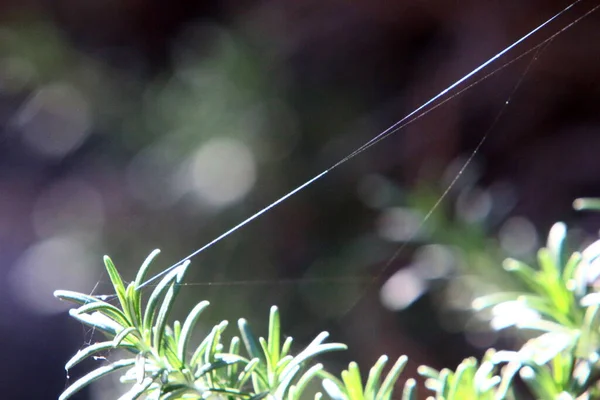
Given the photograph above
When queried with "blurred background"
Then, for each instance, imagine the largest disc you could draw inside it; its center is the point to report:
(130, 125)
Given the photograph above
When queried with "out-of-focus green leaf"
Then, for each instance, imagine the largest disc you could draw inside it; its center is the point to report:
(586, 203)
(372, 384)
(410, 390)
(387, 387)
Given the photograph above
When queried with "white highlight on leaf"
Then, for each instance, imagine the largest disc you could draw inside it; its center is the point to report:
(512, 313)
(591, 260)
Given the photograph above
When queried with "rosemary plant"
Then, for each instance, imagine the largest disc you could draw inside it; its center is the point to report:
(560, 360)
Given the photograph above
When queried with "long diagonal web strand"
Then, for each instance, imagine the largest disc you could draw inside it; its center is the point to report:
(392, 129)
(352, 279)
(539, 49)
(358, 279)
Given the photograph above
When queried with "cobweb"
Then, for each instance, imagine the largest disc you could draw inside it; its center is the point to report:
(568, 18)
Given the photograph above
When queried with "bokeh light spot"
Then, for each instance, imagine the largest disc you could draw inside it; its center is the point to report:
(15, 74)
(518, 237)
(402, 289)
(69, 205)
(434, 261)
(398, 224)
(58, 262)
(222, 171)
(375, 191)
(55, 120)
(151, 176)
(474, 205)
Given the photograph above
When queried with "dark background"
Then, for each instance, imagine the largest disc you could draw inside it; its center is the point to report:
(130, 125)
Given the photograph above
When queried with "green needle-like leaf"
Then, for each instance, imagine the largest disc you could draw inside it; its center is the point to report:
(525, 273)
(98, 321)
(285, 383)
(310, 352)
(334, 391)
(117, 282)
(483, 375)
(159, 290)
(586, 204)
(198, 354)
(556, 244)
(75, 297)
(136, 297)
(88, 351)
(463, 385)
(571, 266)
(211, 350)
(353, 382)
(107, 309)
(217, 364)
(250, 342)
(390, 380)
(166, 306)
(374, 377)
(444, 382)
(491, 300)
(309, 375)
(123, 334)
(175, 392)
(133, 306)
(138, 389)
(95, 375)
(540, 382)
(234, 347)
(247, 372)
(410, 390)
(188, 326)
(283, 363)
(287, 345)
(428, 372)
(274, 336)
(270, 367)
(139, 278)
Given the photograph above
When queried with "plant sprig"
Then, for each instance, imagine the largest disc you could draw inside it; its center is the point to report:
(162, 364)
(560, 310)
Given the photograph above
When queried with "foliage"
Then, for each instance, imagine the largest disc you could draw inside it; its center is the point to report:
(161, 363)
(559, 311)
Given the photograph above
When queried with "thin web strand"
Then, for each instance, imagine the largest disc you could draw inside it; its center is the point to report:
(406, 123)
(417, 113)
(540, 48)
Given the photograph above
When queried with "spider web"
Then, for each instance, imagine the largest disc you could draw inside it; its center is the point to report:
(445, 96)
(456, 89)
